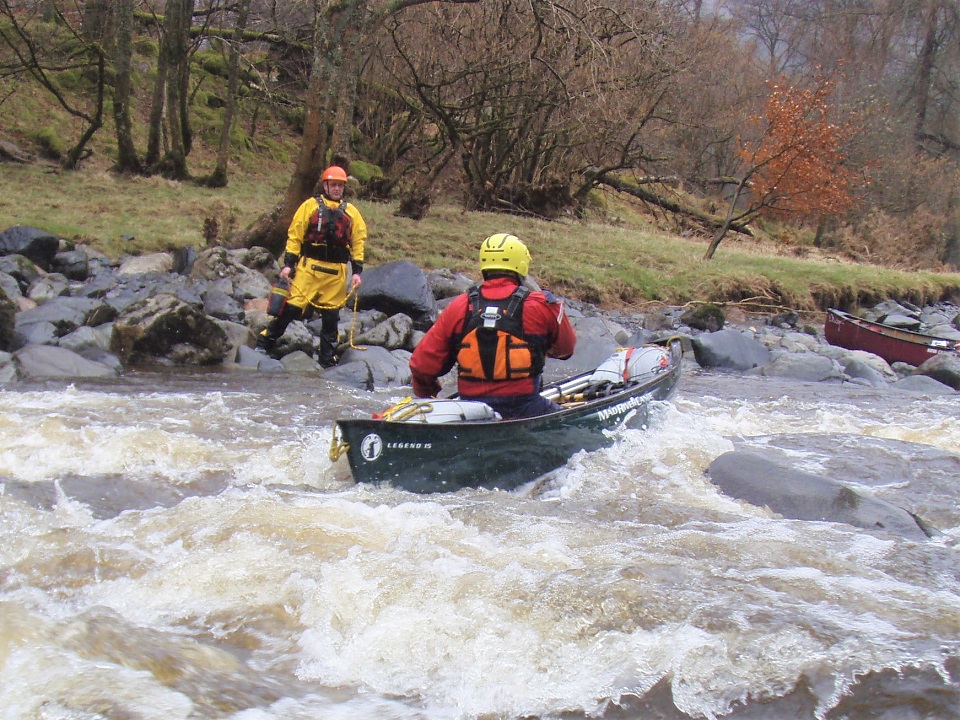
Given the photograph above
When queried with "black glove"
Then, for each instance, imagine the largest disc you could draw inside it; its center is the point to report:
(290, 260)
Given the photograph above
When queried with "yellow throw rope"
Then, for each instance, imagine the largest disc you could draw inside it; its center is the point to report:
(353, 320)
(337, 446)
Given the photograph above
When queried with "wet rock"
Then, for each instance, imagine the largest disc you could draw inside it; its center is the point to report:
(370, 368)
(922, 384)
(806, 366)
(393, 333)
(37, 362)
(164, 328)
(803, 496)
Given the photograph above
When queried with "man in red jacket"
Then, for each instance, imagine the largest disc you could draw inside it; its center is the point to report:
(499, 334)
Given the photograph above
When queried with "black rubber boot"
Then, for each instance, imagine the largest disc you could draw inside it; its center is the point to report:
(267, 339)
(329, 337)
(265, 343)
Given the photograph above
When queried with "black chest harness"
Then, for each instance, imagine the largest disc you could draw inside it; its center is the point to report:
(328, 234)
(493, 345)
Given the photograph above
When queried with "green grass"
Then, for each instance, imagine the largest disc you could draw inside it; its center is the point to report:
(627, 263)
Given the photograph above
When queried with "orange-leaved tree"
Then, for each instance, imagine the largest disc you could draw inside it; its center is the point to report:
(792, 161)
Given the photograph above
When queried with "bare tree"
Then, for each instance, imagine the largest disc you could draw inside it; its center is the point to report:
(42, 55)
(526, 96)
(341, 28)
(170, 112)
(218, 178)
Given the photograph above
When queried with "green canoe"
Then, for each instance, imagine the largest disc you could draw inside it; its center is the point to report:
(407, 449)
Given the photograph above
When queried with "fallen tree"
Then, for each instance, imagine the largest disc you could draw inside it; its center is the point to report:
(642, 189)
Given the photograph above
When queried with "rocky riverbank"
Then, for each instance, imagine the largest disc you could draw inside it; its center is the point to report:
(67, 312)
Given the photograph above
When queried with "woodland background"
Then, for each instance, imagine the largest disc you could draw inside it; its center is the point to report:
(829, 124)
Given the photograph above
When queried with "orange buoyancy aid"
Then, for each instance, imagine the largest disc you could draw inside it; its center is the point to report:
(493, 345)
(328, 235)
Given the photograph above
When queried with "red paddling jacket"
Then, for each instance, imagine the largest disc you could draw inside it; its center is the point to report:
(499, 335)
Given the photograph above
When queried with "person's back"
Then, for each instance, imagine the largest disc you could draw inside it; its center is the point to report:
(499, 335)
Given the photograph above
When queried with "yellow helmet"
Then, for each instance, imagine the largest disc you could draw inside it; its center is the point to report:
(504, 251)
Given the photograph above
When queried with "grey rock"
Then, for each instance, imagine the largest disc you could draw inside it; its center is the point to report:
(9, 286)
(48, 286)
(300, 362)
(804, 496)
(220, 305)
(161, 263)
(370, 369)
(730, 349)
(392, 334)
(8, 314)
(805, 366)
(21, 268)
(73, 264)
(35, 362)
(859, 370)
(446, 284)
(399, 287)
(922, 384)
(39, 246)
(944, 367)
(164, 328)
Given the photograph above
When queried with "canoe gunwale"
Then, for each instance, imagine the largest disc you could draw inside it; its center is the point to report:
(891, 343)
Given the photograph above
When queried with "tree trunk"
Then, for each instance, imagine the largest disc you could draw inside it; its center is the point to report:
(727, 222)
(94, 123)
(219, 176)
(127, 161)
(97, 23)
(821, 231)
(155, 136)
(951, 252)
(925, 69)
(348, 80)
(173, 67)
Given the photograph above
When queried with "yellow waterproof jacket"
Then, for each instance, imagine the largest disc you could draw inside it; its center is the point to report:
(301, 222)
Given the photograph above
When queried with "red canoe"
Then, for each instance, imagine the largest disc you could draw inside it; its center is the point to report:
(890, 343)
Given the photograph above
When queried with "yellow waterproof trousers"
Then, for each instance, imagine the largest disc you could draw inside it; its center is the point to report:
(319, 284)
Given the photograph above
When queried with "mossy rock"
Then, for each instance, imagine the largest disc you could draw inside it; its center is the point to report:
(364, 171)
(708, 317)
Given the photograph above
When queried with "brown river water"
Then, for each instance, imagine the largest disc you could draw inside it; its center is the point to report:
(181, 546)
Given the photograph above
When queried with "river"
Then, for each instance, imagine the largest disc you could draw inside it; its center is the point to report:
(180, 546)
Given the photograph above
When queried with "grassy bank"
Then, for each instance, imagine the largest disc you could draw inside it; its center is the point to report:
(624, 263)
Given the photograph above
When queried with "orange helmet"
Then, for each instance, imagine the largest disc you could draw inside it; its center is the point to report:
(334, 172)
